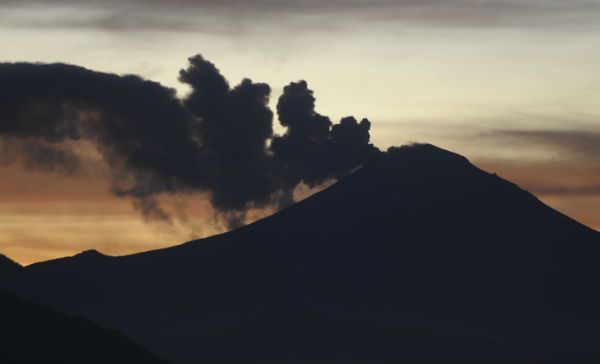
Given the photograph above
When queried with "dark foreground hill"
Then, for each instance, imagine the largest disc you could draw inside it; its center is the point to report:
(419, 250)
(30, 333)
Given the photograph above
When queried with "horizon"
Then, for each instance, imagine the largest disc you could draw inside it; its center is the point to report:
(505, 83)
(253, 220)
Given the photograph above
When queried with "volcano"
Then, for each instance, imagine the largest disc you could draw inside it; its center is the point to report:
(419, 255)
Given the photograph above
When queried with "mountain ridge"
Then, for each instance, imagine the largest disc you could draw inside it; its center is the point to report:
(33, 333)
(417, 150)
(8, 267)
(420, 236)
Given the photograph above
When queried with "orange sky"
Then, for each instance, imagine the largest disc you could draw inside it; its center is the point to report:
(567, 188)
(45, 216)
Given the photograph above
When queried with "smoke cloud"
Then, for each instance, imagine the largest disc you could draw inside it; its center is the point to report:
(218, 139)
(234, 125)
(138, 126)
(313, 149)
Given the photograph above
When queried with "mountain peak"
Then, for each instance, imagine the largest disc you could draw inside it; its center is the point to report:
(6, 260)
(7, 265)
(8, 269)
(424, 150)
(424, 156)
(89, 254)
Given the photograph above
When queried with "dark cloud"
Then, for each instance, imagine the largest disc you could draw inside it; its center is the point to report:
(249, 166)
(575, 145)
(567, 191)
(201, 14)
(547, 159)
(557, 163)
(138, 126)
(235, 126)
(219, 139)
(313, 150)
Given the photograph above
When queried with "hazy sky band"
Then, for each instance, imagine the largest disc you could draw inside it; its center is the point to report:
(311, 15)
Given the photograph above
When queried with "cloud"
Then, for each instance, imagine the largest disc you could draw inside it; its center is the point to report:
(138, 126)
(555, 156)
(313, 149)
(568, 190)
(570, 186)
(236, 125)
(574, 145)
(219, 139)
(570, 166)
(222, 16)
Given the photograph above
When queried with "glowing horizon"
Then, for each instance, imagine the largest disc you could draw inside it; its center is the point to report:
(511, 85)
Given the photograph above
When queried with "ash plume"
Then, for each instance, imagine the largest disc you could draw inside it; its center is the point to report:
(313, 149)
(234, 125)
(138, 126)
(218, 139)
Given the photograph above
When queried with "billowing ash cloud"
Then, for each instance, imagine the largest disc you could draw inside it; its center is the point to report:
(313, 150)
(235, 125)
(219, 139)
(139, 127)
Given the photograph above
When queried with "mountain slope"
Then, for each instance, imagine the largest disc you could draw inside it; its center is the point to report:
(32, 333)
(289, 333)
(421, 238)
(8, 267)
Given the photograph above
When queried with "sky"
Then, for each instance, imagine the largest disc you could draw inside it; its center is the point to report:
(512, 85)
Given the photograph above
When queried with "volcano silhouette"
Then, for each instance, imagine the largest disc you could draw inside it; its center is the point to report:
(417, 256)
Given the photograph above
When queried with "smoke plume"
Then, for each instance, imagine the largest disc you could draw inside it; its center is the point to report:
(218, 139)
